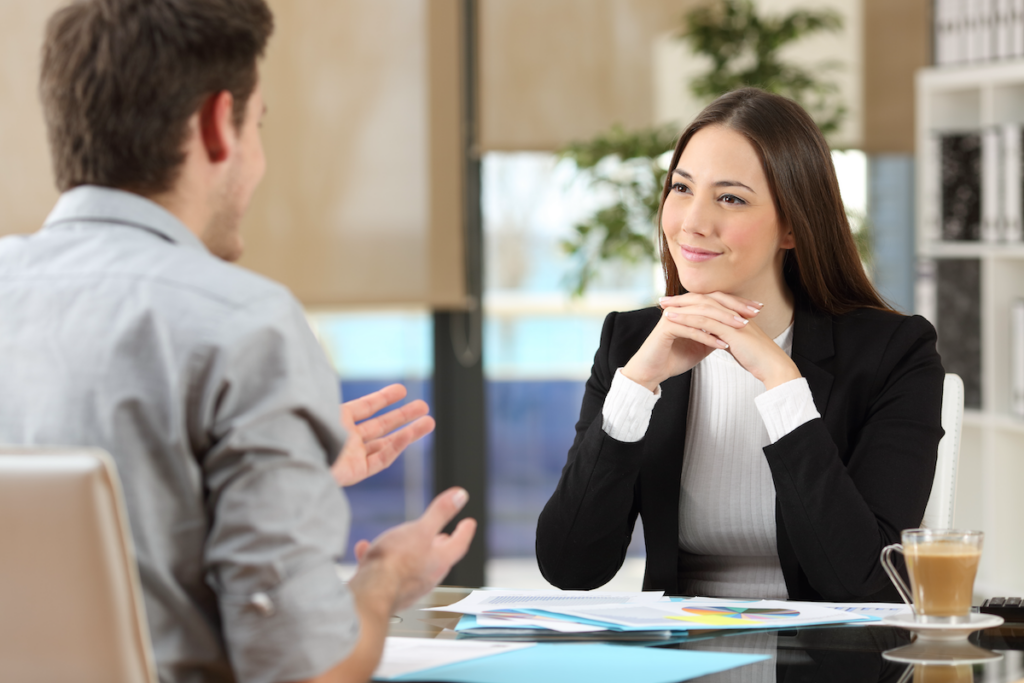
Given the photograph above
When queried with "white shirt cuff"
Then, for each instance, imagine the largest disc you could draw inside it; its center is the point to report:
(627, 409)
(786, 407)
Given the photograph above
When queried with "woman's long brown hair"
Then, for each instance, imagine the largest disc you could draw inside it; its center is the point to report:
(797, 163)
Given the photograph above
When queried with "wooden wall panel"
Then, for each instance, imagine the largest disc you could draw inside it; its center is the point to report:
(27, 192)
(554, 71)
(361, 204)
(897, 42)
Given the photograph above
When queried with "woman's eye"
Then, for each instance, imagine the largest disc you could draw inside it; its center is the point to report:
(731, 199)
(679, 187)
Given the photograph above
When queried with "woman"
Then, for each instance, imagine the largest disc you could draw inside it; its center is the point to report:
(774, 422)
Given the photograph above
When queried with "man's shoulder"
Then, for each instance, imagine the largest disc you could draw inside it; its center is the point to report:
(135, 261)
(218, 282)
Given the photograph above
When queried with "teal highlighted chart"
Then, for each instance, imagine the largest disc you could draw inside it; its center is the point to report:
(596, 663)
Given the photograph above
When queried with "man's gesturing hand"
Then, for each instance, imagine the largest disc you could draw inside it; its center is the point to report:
(401, 565)
(373, 445)
(416, 555)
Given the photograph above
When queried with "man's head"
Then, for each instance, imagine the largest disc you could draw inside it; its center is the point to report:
(131, 88)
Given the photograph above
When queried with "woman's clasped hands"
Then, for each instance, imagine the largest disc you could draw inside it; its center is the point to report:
(693, 325)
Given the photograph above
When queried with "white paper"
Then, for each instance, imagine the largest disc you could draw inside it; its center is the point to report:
(535, 621)
(479, 602)
(406, 655)
(871, 609)
(701, 615)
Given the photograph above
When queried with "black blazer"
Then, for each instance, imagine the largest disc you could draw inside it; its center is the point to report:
(846, 483)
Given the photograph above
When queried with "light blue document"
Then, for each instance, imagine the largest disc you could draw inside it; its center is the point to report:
(594, 663)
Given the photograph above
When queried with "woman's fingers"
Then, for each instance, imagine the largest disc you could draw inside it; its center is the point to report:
(747, 308)
(705, 310)
(703, 329)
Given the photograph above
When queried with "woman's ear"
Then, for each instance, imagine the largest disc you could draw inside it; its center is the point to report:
(787, 241)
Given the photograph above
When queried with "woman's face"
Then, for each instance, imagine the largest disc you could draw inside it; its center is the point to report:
(720, 220)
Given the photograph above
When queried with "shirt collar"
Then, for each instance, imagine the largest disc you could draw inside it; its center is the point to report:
(95, 204)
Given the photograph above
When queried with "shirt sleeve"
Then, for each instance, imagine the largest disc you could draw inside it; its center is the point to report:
(278, 521)
(627, 409)
(786, 407)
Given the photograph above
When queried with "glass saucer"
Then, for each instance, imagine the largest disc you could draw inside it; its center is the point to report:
(941, 652)
(943, 631)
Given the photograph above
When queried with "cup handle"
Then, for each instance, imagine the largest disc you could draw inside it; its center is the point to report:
(894, 575)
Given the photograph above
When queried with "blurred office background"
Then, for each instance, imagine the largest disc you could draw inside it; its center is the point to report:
(417, 204)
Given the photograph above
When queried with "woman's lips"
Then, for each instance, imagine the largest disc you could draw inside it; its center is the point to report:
(695, 255)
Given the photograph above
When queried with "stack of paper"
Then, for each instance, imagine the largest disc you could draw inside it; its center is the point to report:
(506, 612)
(524, 614)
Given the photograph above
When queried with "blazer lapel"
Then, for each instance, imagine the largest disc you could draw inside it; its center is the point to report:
(812, 346)
(660, 481)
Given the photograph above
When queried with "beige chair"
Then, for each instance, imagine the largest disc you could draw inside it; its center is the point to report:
(942, 503)
(70, 604)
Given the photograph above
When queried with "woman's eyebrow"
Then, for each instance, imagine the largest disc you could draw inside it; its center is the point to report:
(720, 183)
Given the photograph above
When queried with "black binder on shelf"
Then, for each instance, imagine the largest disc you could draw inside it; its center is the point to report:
(960, 163)
(958, 313)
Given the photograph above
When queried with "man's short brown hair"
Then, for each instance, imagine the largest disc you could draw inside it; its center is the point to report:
(121, 78)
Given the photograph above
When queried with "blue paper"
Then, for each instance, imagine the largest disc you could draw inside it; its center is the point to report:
(593, 663)
(467, 621)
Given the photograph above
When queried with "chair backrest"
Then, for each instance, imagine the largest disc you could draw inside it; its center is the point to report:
(70, 604)
(942, 503)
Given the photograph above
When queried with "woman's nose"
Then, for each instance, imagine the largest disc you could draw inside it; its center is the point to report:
(696, 219)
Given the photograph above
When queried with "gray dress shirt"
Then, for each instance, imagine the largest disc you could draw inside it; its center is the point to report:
(118, 329)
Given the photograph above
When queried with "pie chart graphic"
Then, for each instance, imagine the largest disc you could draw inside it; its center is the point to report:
(736, 617)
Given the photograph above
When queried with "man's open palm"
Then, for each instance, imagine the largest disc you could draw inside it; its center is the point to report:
(373, 444)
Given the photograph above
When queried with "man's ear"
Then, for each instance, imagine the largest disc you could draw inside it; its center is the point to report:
(216, 125)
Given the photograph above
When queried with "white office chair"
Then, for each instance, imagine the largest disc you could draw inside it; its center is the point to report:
(942, 503)
(70, 604)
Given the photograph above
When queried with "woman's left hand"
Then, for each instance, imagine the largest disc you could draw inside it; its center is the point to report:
(753, 349)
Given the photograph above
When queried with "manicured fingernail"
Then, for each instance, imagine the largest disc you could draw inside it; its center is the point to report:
(754, 310)
(722, 343)
(662, 299)
(671, 315)
(740, 320)
(460, 498)
(759, 304)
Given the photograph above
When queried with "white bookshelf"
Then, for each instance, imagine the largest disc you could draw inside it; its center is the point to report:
(989, 495)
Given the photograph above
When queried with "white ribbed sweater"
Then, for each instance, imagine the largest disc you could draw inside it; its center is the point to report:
(727, 496)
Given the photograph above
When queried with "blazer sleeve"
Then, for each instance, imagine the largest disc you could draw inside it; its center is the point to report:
(586, 526)
(838, 506)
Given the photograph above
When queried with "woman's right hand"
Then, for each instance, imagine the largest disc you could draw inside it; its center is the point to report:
(676, 345)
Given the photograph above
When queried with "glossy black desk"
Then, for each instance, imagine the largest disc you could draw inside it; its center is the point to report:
(831, 653)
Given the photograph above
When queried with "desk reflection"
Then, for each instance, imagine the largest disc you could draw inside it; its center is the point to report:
(814, 654)
(940, 673)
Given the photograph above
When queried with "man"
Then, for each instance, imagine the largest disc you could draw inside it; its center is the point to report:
(124, 327)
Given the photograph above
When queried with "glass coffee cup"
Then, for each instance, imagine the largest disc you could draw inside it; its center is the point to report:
(943, 673)
(942, 564)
